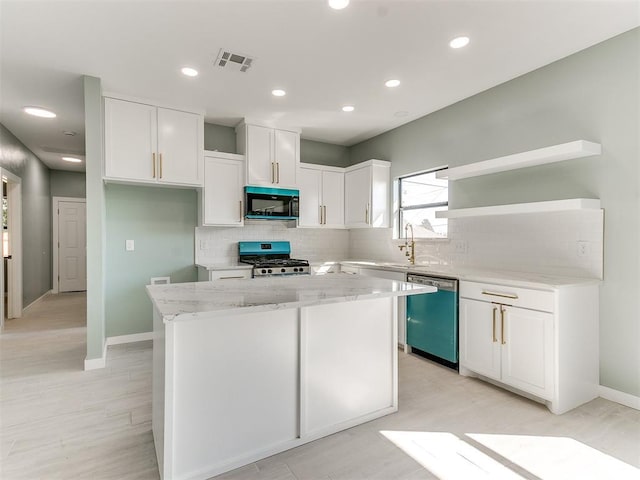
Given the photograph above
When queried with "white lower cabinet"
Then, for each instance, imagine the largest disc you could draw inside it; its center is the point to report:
(222, 196)
(508, 344)
(526, 339)
(207, 275)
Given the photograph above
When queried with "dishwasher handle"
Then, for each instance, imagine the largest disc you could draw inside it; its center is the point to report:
(447, 284)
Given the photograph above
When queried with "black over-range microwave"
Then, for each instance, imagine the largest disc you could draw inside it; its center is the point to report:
(271, 203)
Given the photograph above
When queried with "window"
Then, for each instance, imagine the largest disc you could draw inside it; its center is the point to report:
(421, 195)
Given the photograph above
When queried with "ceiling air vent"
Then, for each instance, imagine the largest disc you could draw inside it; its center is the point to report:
(233, 61)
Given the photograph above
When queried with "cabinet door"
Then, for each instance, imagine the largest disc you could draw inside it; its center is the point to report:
(286, 157)
(179, 147)
(527, 351)
(309, 183)
(480, 337)
(357, 190)
(259, 152)
(222, 196)
(333, 198)
(129, 140)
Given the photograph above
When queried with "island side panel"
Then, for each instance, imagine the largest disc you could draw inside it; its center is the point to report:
(158, 386)
(235, 390)
(348, 355)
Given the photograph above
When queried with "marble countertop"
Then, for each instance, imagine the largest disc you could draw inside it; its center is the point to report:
(182, 301)
(514, 278)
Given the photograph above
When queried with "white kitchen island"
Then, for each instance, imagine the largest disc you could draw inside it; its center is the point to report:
(244, 369)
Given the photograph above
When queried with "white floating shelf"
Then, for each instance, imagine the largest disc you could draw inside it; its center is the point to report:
(541, 156)
(535, 207)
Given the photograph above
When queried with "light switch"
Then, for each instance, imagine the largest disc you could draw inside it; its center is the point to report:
(130, 245)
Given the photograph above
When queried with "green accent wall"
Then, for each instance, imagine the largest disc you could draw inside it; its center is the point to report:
(36, 214)
(162, 222)
(321, 153)
(220, 138)
(591, 95)
(93, 118)
(68, 184)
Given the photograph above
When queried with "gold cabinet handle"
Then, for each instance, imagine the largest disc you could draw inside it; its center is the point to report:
(273, 172)
(241, 212)
(230, 278)
(498, 294)
(502, 324)
(324, 208)
(153, 163)
(277, 172)
(320, 213)
(160, 166)
(495, 309)
(366, 214)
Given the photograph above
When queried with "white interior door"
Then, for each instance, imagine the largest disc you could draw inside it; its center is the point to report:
(72, 247)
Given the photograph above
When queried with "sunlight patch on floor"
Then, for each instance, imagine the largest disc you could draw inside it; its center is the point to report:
(557, 458)
(448, 457)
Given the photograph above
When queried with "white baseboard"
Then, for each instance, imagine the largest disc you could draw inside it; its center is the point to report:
(95, 363)
(134, 337)
(617, 396)
(49, 292)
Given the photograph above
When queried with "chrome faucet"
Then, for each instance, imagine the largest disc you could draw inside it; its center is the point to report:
(410, 247)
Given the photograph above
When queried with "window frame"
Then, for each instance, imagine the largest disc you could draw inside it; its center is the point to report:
(401, 209)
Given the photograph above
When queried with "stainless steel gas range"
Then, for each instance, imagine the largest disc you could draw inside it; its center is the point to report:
(271, 258)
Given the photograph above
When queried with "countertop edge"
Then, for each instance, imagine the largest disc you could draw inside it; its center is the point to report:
(290, 305)
(498, 277)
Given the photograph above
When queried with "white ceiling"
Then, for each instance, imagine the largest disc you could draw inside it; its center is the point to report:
(323, 58)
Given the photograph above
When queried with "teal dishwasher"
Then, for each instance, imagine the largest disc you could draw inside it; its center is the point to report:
(432, 320)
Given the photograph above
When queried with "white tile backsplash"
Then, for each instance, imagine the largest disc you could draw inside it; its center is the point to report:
(220, 244)
(545, 243)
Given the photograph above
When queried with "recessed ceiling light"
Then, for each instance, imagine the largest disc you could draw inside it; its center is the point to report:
(459, 42)
(39, 112)
(69, 133)
(338, 4)
(189, 72)
(72, 159)
(392, 83)
(348, 108)
(278, 93)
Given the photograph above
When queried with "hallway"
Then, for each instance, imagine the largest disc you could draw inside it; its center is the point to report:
(59, 421)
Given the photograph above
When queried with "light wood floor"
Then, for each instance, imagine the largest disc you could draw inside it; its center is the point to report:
(60, 422)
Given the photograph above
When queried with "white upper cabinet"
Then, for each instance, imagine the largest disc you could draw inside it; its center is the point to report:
(180, 146)
(321, 196)
(286, 156)
(272, 156)
(149, 144)
(367, 195)
(222, 195)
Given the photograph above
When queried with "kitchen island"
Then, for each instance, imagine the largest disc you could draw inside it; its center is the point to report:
(244, 369)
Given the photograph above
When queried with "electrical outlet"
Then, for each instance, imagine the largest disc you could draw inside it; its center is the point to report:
(460, 246)
(130, 245)
(582, 249)
(204, 245)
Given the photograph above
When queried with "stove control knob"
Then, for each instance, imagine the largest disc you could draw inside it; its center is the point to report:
(264, 271)
(283, 270)
(270, 271)
(295, 269)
